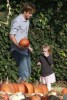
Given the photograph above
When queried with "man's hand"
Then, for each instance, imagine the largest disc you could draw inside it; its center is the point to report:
(30, 49)
(13, 39)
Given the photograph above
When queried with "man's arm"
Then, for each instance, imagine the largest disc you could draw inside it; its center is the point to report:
(13, 39)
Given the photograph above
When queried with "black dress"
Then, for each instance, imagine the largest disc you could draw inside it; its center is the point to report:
(46, 63)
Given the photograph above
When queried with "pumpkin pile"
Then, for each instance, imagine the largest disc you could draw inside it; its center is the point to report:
(15, 90)
(26, 90)
(24, 87)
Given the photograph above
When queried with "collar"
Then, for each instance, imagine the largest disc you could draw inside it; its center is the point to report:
(23, 19)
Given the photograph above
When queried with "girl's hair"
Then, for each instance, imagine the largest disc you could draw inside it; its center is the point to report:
(29, 7)
(46, 46)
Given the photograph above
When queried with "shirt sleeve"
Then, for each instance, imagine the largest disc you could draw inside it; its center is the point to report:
(14, 27)
(40, 58)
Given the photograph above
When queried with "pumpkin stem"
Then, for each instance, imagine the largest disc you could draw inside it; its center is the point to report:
(19, 80)
(7, 80)
(36, 83)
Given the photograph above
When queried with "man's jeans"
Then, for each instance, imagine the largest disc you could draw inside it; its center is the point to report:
(24, 64)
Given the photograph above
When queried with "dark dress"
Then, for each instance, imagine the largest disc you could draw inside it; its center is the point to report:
(46, 63)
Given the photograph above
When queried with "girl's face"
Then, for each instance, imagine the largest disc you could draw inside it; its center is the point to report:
(45, 51)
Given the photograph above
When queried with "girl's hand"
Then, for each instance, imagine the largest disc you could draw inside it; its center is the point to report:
(38, 64)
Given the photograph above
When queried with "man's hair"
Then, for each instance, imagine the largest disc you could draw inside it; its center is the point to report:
(28, 7)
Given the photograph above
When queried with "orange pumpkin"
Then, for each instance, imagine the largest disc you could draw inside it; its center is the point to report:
(64, 91)
(7, 87)
(24, 42)
(35, 97)
(44, 88)
(22, 88)
(15, 85)
(30, 87)
(12, 87)
(44, 97)
(38, 89)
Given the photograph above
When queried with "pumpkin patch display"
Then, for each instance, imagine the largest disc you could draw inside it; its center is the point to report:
(28, 91)
(24, 42)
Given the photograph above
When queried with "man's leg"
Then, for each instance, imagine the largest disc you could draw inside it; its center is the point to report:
(24, 64)
(24, 68)
(16, 56)
(29, 64)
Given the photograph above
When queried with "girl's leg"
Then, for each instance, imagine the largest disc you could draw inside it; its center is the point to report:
(49, 86)
(42, 80)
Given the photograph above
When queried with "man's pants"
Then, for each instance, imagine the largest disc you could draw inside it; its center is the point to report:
(24, 63)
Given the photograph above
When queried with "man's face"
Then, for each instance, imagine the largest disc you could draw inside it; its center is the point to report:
(28, 15)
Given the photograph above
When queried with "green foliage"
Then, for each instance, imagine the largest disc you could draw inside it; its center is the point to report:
(48, 25)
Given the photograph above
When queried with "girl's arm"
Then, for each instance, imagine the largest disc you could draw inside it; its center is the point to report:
(50, 59)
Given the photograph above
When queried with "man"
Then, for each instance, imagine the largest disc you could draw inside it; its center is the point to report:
(19, 30)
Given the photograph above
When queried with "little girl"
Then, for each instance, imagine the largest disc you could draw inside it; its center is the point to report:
(46, 61)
